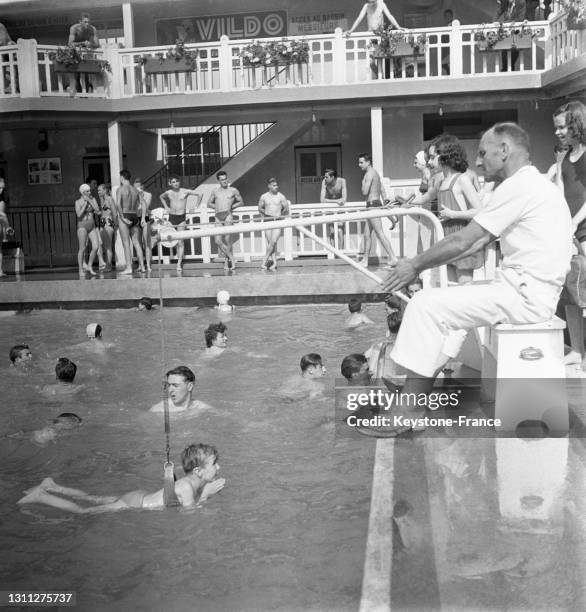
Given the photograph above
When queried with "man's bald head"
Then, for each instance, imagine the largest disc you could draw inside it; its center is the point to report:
(503, 150)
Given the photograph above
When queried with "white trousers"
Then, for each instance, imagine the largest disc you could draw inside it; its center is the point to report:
(434, 317)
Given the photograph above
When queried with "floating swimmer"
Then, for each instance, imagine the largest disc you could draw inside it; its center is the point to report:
(223, 306)
(200, 464)
(64, 422)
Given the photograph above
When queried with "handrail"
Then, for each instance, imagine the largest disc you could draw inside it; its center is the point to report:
(304, 221)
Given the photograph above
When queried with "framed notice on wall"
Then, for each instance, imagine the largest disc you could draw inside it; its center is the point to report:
(44, 171)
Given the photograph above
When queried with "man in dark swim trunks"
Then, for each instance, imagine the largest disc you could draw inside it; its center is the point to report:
(175, 201)
(372, 189)
(224, 200)
(272, 204)
(130, 216)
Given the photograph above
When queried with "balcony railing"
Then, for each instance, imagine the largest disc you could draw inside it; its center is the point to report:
(451, 52)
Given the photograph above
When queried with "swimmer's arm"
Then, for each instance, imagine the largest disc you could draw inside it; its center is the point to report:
(579, 216)
(344, 198)
(366, 320)
(72, 31)
(238, 201)
(322, 195)
(357, 22)
(261, 205)
(286, 207)
(185, 494)
(163, 197)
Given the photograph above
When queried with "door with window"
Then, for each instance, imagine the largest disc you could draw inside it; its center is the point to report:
(310, 165)
(97, 168)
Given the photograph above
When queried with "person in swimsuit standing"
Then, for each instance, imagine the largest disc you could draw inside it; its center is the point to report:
(107, 222)
(570, 129)
(200, 464)
(224, 200)
(145, 199)
(86, 210)
(175, 202)
(131, 217)
(458, 202)
(372, 190)
(272, 205)
(333, 190)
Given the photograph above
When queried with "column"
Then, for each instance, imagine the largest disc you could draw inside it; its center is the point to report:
(128, 24)
(115, 147)
(376, 137)
(28, 68)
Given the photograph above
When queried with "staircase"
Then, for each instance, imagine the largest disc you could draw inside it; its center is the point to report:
(206, 154)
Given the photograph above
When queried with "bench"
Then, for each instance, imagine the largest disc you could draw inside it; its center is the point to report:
(524, 374)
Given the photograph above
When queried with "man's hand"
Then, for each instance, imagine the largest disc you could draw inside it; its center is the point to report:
(348, 33)
(401, 274)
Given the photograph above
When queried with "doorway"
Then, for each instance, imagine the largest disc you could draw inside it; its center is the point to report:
(310, 164)
(97, 168)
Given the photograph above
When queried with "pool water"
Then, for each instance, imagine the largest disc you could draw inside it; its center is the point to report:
(288, 532)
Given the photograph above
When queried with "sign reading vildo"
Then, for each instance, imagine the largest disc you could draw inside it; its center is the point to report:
(209, 28)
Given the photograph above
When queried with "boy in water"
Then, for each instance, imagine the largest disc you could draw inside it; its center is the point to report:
(175, 202)
(357, 317)
(272, 205)
(305, 384)
(200, 464)
(216, 339)
(224, 200)
(64, 422)
(20, 355)
(355, 370)
(180, 384)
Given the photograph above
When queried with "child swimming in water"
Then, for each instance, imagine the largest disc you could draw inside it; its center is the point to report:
(200, 464)
(145, 303)
(65, 372)
(306, 383)
(357, 317)
(216, 339)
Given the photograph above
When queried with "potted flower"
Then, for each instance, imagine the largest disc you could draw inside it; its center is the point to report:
(506, 37)
(284, 52)
(576, 10)
(73, 59)
(175, 59)
(397, 43)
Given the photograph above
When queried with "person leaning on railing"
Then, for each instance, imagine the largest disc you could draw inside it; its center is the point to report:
(510, 10)
(5, 38)
(85, 36)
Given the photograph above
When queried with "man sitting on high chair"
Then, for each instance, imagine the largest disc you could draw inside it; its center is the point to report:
(531, 218)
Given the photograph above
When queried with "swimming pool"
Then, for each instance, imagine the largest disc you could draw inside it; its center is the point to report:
(288, 532)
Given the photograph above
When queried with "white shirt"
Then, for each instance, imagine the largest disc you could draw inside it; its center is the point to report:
(533, 221)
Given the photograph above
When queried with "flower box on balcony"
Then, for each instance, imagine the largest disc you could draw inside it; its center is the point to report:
(509, 42)
(88, 66)
(154, 65)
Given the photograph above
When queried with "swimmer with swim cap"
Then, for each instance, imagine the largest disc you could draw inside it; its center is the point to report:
(93, 330)
(223, 298)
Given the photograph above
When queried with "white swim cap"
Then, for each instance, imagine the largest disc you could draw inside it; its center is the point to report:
(93, 330)
(223, 297)
(84, 187)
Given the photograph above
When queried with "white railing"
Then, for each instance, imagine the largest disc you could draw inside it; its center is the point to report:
(333, 60)
(52, 83)
(565, 44)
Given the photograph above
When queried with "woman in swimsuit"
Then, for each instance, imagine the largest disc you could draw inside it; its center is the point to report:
(86, 208)
(107, 223)
(458, 201)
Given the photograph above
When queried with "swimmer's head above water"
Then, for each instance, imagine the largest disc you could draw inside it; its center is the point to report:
(20, 354)
(215, 336)
(312, 366)
(223, 297)
(67, 420)
(93, 330)
(201, 459)
(145, 303)
(355, 369)
(65, 370)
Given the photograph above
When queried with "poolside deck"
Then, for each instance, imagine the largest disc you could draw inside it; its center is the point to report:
(310, 280)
